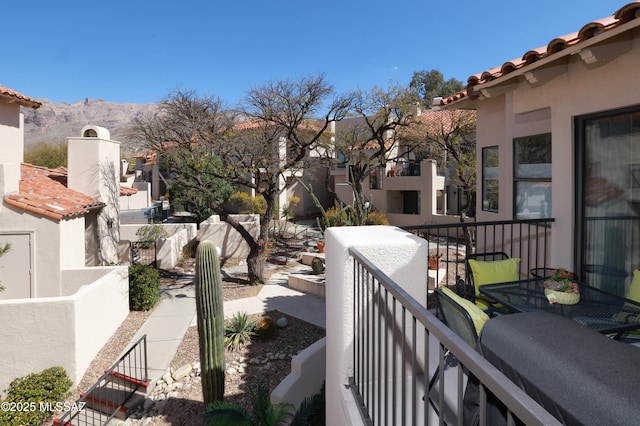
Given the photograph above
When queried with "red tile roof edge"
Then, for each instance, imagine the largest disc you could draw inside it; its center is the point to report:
(21, 99)
(39, 189)
(623, 15)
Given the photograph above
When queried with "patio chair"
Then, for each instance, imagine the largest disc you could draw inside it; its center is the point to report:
(488, 268)
(463, 317)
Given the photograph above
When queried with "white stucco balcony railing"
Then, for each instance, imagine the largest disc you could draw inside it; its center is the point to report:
(383, 345)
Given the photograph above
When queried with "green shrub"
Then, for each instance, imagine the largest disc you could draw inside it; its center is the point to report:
(149, 233)
(144, 287)
(37, 390)
(266, 328)
(243, 203)
(337, 217)
(376, 218)
(239, 330)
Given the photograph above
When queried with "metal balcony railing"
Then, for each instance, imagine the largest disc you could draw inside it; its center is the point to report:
(397, 345)
(528, 240)
(108, 397)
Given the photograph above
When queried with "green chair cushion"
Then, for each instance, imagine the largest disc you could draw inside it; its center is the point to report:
(494, 271)
(478, 316)
(634, 288)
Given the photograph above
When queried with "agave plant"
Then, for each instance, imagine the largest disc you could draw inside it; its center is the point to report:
(239, 330)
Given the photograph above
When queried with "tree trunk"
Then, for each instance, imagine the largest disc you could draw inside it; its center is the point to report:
(255, 266)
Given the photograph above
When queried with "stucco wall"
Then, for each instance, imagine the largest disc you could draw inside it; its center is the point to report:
(128, 232)
(389, 199)
(403, 257)
(11, 133)
(139, 200)
(65, 331)
(51, 249)
(579, 89)
(169, 250)
(228, 239)
(72, 246)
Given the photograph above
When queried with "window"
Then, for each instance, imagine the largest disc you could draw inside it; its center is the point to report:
(490, 187)
(608, 198)
(532, 175)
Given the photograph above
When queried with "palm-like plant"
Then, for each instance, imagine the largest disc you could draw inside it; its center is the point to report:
(264, 412)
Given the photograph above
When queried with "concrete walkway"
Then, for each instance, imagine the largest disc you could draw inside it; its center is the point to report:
(166, 326)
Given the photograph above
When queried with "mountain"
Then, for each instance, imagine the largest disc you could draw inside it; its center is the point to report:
(54, 122)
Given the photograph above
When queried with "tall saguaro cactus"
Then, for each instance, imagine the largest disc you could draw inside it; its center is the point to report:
(210, 321)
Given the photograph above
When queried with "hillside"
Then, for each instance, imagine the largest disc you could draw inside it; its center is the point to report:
(54, 122)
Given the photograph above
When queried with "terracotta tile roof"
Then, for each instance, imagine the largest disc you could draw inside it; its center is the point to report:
(13, 96)
(125, 192)
(556, 46)
(43, 191)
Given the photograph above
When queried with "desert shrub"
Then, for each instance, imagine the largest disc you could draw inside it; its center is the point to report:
(337, 217)
(243, 203)
(144, 287)
(266, 327)
(35, 391)
(149, 233)
(238, 330)
(376, 218)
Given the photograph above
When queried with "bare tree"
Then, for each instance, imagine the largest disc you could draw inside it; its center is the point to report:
(257, 148)
(451, 133)
(367, 140)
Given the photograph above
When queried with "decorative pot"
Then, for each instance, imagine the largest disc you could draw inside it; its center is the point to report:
(320, 245)
(434, 263)
(561, 297)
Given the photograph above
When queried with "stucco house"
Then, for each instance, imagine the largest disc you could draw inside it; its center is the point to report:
(411, 188)
(148, 168)
(62, 299)
(558, 135)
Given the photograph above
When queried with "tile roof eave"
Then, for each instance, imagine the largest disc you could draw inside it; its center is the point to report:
(561, 54)
(13, 96)
(52, 215)
(40, 212)
(625, 19)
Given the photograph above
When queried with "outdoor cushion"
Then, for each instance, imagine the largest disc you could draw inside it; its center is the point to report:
(494, 271)
(634, 288)
(478, 316)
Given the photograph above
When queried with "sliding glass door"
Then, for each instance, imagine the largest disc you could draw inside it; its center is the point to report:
(608, 198)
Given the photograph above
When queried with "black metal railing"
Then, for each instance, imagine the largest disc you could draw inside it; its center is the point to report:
(394, 339)
(107, 397)
(528, 240)
(143, 253)
(403, 168)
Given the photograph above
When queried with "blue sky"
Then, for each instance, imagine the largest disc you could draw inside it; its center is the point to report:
(140, 50)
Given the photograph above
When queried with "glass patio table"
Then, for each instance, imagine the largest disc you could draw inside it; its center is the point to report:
(597, 309)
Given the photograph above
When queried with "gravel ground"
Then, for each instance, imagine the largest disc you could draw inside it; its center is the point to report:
(187, 406)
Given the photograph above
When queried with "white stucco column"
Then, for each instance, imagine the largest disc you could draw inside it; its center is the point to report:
(400, 255)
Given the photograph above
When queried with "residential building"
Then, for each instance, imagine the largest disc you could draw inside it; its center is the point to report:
(558, 135)
(56, 309)
(414, 187)
(312, 171)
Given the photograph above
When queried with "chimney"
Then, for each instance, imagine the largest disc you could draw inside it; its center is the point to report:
(94, 170)
(437, 103)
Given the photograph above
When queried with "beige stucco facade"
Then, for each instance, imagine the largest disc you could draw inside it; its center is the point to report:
(594, 76)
